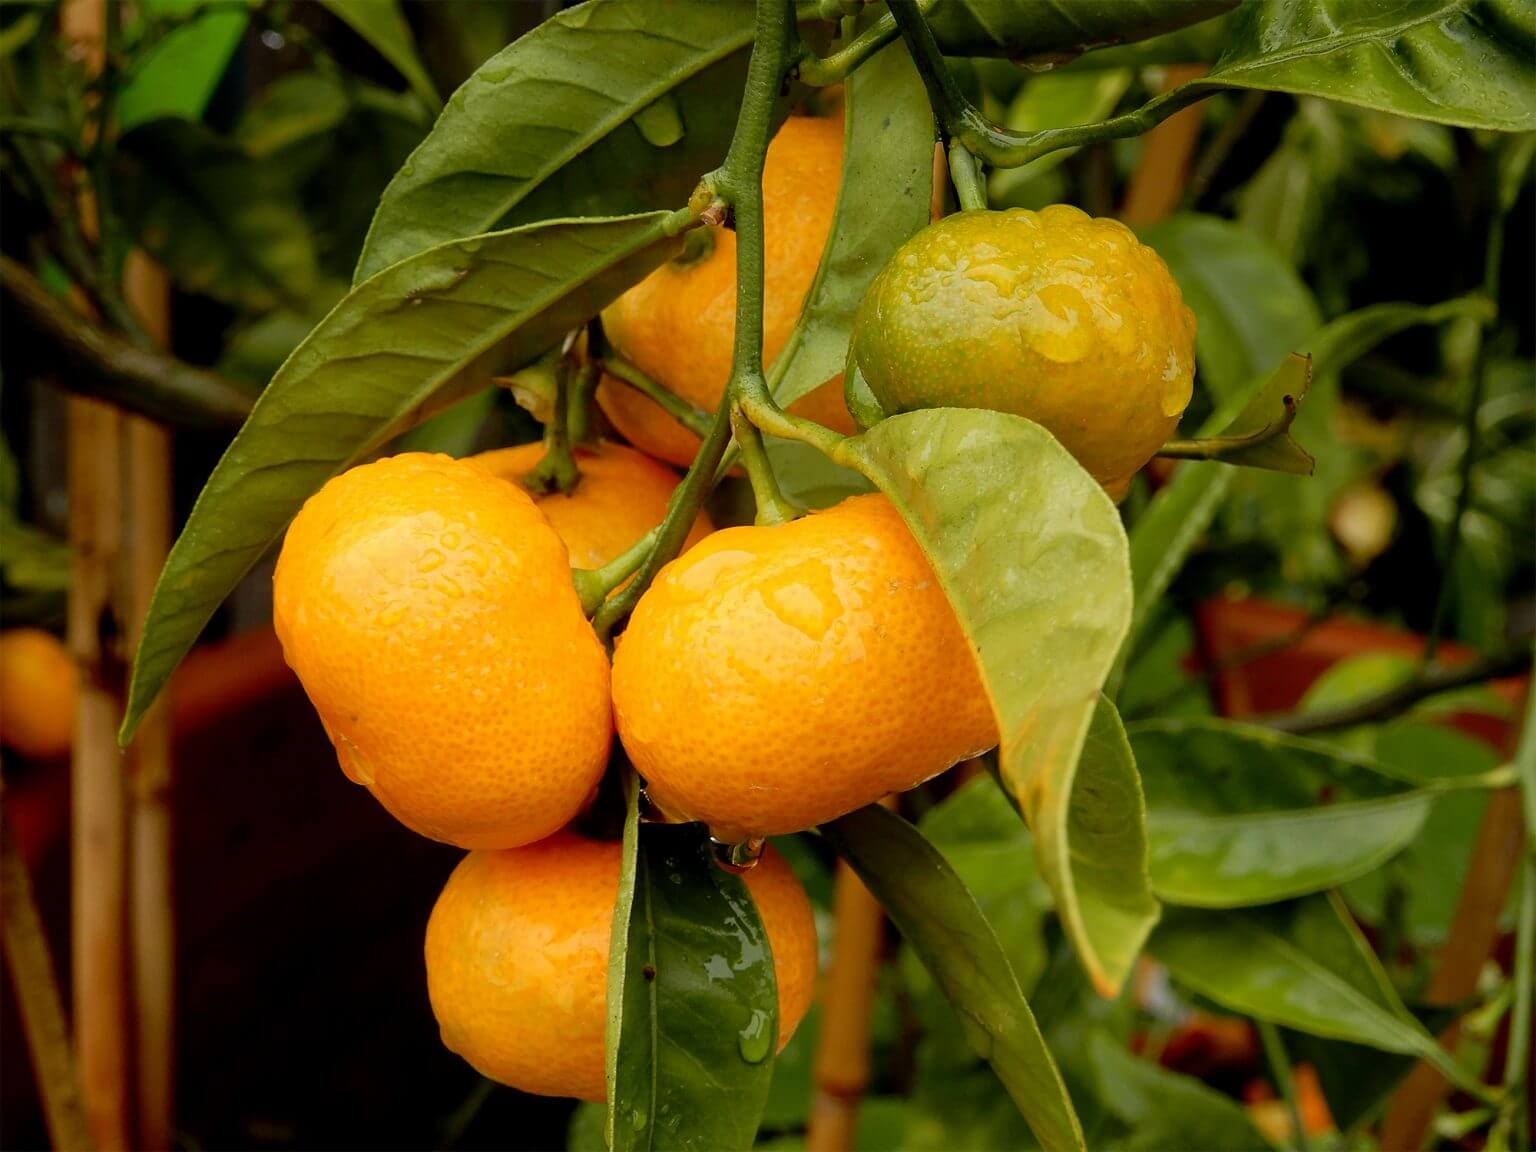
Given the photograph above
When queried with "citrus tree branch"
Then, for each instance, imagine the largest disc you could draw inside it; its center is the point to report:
(694, 419)
(835, 67)
(961, 120)
(1493, 253)
(1395, 701)
(110, 368)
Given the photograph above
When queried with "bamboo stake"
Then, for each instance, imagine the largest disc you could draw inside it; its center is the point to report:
(841, 1071)
(1474, 931)
(98, 854)
(38, 1001)
(152, 921)
(1157, 185)
(99, 849)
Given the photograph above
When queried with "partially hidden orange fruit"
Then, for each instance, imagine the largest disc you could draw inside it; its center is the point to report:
(1053, 315)
(38, 688)
(778, 677)
(678, 324)
(517, 959)
(621, 496)
(427, 607)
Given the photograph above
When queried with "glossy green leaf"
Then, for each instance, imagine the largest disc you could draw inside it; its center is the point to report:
(981, 836)
(693, 1007)
(940, 919)
(382, 24)
(1251, 308)
(1414, 58)
(1259, 436)
(1239, 816)
(522, 140)
(883, 199)
(1181, 1111)
(222, 223)
(177, 75)
(412, 339)
(1033, 558)
(1303, 965)
(1028, 29)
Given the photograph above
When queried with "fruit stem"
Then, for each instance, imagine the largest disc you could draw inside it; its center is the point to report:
(997, 147)
(694, 419)
(772, 508)
(584, 391)
(965, 174)
(739, 183)
(835, 67)
(1280, 1069)
(556, 470)
(593, 585)
(1225, 447)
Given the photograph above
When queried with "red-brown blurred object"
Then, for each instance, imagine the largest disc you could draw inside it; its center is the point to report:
(1275, 681)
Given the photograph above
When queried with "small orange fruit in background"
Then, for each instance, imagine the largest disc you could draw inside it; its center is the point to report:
(621, 496)
(678, 325)
(517, 959)
(428, 609)
(1053, 315)
(38, 687)
(778, 677)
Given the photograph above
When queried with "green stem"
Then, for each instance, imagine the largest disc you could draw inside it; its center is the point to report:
(1514, 1116)
(997, 147)
(738, 182)
(766, 414)
(687, 498)
(1222, 447)
(594, 585)
(1280, 1068)
(556, 469)
(772, 508)
(835, 67)
(694, 419)
(584, 390)
(965, 174)
(1492, 257)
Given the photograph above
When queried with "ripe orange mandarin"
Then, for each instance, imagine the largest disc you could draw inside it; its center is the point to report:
(778, 677)
(517, 959)
(428, 609)
(621, 496)
(678, 325)
(38, 687)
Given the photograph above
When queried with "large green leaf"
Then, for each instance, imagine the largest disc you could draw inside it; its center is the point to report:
(883, 199)
(1251, 308)
(1029, 29)
(941, 921)
(692, 1003)
(1164, 1109)
(609, 107)
(221, 222)
(1303, 965)
(1463, 62)
(177, 75)
(1033, 558)
(410, 340)
(1238, 815)
(382, 24)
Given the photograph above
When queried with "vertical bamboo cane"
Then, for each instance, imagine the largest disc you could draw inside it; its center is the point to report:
(1158, 182)
(98, 855)
(99, 849)
(1474, 931)
(152, 921)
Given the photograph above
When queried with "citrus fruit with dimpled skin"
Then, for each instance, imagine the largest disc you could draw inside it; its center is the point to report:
(777, 677)
(517, 959)
(678, 325)
(428, 609)
(38, 688)
(1052, 315)
(622, 495)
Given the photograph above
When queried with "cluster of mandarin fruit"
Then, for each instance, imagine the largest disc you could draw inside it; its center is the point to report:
(771, 678)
